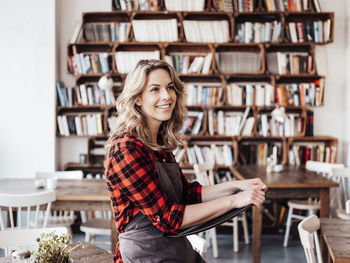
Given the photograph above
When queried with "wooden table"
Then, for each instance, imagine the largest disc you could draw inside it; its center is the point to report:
(77, 195)
(86, 253)
(291, 183)
(336, 235)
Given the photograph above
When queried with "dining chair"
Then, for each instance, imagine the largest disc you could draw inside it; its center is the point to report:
(25, 202)
(342, 196)
(60, 218)
(11, 240)
(96, 223)
(311, 205)
(198, 243)
(309, 238)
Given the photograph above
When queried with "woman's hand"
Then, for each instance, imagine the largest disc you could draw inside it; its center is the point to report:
(255, 183)
(255, 196)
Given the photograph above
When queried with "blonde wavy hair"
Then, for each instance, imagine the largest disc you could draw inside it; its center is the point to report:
(131, 119)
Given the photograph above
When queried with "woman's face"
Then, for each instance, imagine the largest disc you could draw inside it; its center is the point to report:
(158, 99)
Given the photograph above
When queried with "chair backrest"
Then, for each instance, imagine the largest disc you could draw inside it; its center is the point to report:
(309, 238)
(341, 176)
(198, 243)
(57, 216)
(15, 202)
(61, 175)
(322, 167)
(204, 173)
(25, 238)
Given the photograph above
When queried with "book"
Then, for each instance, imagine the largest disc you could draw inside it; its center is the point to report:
(76, 33)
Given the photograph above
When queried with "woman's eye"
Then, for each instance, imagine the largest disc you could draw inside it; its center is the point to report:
(154, 89)
(171, 87)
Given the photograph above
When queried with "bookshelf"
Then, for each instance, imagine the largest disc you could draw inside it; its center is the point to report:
(261, 56)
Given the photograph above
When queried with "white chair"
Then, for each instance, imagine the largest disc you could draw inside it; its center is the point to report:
(199, 244)
(61, 218)
(310, 205)
(24, 238)
(342, 196)
(16, 202)
(205, 176)
(97, 223)
(309, 238)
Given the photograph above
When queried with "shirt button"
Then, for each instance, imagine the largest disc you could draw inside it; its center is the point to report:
(158, 218)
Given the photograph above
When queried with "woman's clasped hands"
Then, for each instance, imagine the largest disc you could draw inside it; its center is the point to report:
(251, 191)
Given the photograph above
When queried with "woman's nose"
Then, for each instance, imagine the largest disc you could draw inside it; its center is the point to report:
(165, 93)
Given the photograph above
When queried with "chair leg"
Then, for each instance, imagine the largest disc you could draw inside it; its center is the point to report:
(289, 222)
(215, 242)
(235, 234)
(245, 228)
(87, 237)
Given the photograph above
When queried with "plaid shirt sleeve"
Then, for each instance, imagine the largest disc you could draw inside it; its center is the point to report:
(193, 191)
(132, 172)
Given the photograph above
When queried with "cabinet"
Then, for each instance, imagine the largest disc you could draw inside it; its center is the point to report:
(238, 63)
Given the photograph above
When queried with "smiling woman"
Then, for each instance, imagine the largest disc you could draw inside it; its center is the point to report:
(150, 195)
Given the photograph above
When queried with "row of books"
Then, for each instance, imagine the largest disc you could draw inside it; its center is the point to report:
(259, 94)
(216, 31)
(257, 152)
(85, 63)
(239, 62)
(187, 64)
(300, 94)
(155, 30)
(184, 5)
(309, 31)
(229, 123)
(133, 5)
(299, 154)
(193, 123)
(107, 32)
(91, 94)
(199, 154)
(222, 176)
(290, 125)
(202, 94)
(287, 5)
(81, 125)
(64, 95)
(127, 60)
(258, 32)
(289, 63)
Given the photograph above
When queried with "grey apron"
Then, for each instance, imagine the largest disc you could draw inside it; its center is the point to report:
(143, 242)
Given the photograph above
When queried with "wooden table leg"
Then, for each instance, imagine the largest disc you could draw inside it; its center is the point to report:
(257, 223)
(324, 212)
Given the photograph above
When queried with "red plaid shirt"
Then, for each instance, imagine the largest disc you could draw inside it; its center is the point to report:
(133, 187)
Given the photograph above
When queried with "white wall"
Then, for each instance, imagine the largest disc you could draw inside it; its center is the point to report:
(328, 120)
(68, 13)
(27, 70)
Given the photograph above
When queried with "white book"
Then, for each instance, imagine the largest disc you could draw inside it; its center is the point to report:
(264, 125)
(65, 125)
(189, 156)
(248, 127)
(259, 95)
(90, 96)
(75, 34)
(199, 155)
(249, 95)
(293, 32)
(221, 128)
(211, 122)
(207, 63)
(78, 125)
(83, 92)
(269, 95)
(244, 118)
(60, 125)
(219, 159)
(228, 157)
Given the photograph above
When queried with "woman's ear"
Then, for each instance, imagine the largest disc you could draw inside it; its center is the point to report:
(138, 102)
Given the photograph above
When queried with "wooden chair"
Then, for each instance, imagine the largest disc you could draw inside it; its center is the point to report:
(96, 224)
(342, 193)
(24, 238)
(16, 202)
(309, 238)
(61, 218)
(310, 205)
